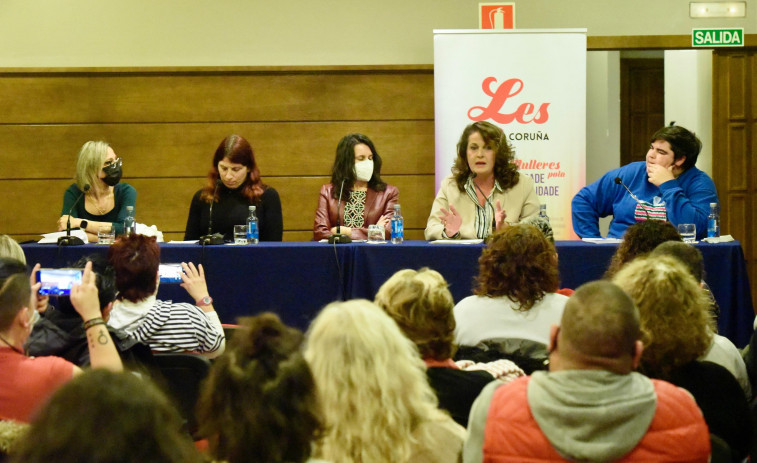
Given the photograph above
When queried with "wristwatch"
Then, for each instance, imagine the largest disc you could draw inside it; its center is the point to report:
(205, 301)
(83, 224)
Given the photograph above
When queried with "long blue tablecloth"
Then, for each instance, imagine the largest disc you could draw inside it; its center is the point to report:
(296, 279)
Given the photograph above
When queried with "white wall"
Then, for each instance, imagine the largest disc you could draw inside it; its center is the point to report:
(73, 33)
(688, 96)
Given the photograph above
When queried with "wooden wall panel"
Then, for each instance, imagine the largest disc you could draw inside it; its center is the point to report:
(166, 124)
(737, 161)
(736, 86)
(186, 149)
(215, 96)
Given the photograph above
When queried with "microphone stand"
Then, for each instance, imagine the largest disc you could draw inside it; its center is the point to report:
(619, 181)
(69, 240)
(338, 238)
(212, 238)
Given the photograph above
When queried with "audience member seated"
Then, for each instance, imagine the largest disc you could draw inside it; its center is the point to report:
(366, 199)
(103, 417)
(11, 249)
(60, 331)
(234, 184)
(421, 305)
(377, 403)
(164, 325)
(667, 186)
(721, 351)
(515, 295)
(259, 403)
(98, 177)
(639, 240)
(27, 382)
(485, 192)
(591, 405)
(674, 313)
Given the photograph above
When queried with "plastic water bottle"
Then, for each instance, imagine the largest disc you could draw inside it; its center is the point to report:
(398, 228)
(130, 225)
(253, 234)
(713, 221)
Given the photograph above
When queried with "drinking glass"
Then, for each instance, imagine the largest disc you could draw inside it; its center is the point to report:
(375, 234)
(106, 235)
(688, 232)
(240, 234)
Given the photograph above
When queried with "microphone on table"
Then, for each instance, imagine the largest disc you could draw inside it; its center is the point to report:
(489, 202)
(619, 181)
(212, 238)
(338, 238)
(69, 240)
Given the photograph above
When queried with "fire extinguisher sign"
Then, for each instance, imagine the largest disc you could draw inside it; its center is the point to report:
(496, 15)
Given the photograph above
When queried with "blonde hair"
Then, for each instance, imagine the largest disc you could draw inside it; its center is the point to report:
(673, 310)
(421, 305)
(91, 158)
(10, 248)
(372, 385)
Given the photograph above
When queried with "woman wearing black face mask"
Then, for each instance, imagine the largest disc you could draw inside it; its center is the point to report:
(98, 173)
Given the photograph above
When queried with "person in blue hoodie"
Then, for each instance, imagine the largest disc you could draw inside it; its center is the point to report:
(667, 186)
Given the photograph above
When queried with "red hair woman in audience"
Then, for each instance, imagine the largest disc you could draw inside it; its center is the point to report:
(165, 326)
(516, 293)
(233, 185)
(259, 403)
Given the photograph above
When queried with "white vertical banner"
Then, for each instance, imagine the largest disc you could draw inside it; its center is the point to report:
(531, 83)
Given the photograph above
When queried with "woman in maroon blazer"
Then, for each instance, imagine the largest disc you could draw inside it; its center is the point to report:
(366, 199)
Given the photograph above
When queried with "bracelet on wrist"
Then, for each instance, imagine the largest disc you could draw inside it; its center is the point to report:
(93, 322)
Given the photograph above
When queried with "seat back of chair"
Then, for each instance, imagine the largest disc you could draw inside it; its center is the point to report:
(182, 376)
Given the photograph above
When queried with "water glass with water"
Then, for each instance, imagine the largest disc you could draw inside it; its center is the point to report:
(240, 234)
(375, 234)
(688, 232)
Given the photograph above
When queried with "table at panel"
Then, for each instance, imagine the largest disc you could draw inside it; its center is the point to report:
(292, 279)
(296, 279)
(579, 263)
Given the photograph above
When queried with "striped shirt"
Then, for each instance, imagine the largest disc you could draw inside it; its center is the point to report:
(484, 214)
(170, 327)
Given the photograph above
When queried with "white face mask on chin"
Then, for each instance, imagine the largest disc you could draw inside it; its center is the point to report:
(364, 170)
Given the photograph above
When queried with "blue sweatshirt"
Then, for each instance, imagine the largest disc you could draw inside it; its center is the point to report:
(685, 199)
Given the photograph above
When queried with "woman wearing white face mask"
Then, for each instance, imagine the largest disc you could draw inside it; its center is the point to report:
(366, 199)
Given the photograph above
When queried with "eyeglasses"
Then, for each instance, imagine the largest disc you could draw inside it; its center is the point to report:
(113, 163)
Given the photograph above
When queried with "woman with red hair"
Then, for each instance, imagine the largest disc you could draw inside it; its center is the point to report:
(233, 185)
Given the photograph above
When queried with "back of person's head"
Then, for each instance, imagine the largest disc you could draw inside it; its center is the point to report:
(674, 312)
(682, 141)
(421, 305)
(259, 403)
(10, 248)
(15, 290)
(518, 263)
(640, 239)
(105, 280)
(599, 328)
(371, 382)
(135, 259)
(101, 416)
(689, 255)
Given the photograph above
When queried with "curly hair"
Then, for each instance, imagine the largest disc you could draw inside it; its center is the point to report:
(505, 170)
(259, 403)
(640, 239)
(343, 169)
(125, 419)
(372, 385)
(518, 263)
(239, 151)
(674, 313)
(421, 305)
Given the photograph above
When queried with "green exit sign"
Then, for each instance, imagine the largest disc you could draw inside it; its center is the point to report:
(718, 37)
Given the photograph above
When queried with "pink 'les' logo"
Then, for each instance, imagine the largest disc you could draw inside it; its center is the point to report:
(506, 89)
